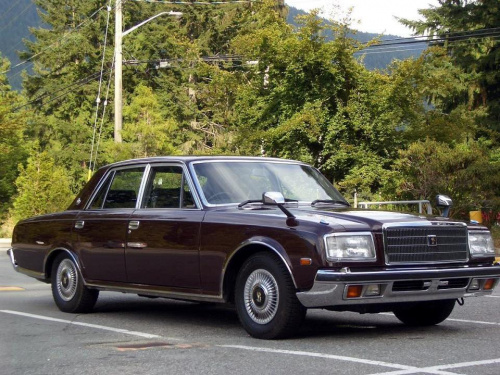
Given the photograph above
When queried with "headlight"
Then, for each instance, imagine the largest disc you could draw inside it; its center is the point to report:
(354, 247)
(481, 244)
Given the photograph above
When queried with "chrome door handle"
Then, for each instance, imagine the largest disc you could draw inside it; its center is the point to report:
(79, 224)
(133, 225)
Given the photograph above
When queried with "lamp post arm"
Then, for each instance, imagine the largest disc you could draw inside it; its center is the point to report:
(176, 14)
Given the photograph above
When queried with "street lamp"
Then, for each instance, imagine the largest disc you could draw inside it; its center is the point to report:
(119, 59)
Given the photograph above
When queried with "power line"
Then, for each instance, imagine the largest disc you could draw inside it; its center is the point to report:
(391, 49)
(476, 34)
(98, 100)
(197, 2)
(427, 37)
(8, 10)
(56, 42)
(80, 83)
(17, 16)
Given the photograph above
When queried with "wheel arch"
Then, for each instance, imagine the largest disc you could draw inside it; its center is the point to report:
(53, 254)
(242, 253)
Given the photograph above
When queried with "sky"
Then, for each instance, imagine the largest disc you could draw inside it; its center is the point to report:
(375, 16)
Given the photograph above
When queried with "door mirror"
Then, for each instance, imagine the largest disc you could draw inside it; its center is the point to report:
(444, 203)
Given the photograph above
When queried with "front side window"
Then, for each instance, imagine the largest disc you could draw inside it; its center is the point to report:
(167, 188)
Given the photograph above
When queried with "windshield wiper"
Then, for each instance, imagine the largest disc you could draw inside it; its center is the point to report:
(329, 201)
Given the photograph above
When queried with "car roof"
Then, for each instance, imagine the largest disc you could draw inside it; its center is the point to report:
(189, 159)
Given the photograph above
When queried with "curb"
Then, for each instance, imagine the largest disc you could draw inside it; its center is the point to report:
(5, 241)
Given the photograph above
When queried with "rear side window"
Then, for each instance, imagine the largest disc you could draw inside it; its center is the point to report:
(120, 190)
(124, 189)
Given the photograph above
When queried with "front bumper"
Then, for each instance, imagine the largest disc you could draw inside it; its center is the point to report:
(396, 286)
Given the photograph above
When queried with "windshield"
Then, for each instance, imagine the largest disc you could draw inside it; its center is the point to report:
(236, 181)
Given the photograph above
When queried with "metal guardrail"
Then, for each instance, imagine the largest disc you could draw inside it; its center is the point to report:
(421, 204)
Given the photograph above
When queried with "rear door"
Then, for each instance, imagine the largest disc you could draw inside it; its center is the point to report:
(102, 228)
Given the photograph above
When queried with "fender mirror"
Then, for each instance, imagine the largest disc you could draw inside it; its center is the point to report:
(444, 203)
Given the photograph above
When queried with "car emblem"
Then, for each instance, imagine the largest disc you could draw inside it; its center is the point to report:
(432, 240)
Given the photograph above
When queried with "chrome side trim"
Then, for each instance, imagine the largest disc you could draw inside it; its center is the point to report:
(157, 293)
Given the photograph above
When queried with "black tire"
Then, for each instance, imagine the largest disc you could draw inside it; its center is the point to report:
(68, 290)
(426, 313)
(265, 298)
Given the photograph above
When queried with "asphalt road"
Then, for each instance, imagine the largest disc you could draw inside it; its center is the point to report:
(128, 334)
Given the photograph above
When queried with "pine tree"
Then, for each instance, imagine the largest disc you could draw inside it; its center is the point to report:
(468, 29)
(12, 150)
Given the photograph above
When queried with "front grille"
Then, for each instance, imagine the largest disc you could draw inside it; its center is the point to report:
(426, 243)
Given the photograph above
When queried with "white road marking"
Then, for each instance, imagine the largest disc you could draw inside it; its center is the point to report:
(473, 321)
(406, 369)
(493, 296)
(118, 330)
(460, 320)
(442, 367)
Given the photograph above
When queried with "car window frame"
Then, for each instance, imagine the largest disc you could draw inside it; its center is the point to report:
(186, 178)
(200, 189)
(111, 174)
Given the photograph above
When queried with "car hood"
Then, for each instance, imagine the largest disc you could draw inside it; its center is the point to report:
(343, 218)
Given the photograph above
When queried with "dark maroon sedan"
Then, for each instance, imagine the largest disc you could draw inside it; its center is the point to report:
(272, 236)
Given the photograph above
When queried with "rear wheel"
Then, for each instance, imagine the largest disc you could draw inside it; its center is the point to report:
(265, 298)
(69, 293)
(426, 313)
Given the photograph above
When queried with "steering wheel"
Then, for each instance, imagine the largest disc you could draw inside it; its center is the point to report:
(218, 197)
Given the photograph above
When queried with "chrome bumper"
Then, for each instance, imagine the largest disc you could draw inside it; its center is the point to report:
(330, 287)
(10, 253)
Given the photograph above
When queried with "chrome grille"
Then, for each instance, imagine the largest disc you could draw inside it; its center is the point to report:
(426, 243)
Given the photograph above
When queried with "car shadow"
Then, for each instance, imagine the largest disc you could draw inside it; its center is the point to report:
(205, 316)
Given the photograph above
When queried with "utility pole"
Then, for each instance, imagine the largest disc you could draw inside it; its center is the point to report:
(119, 34)
(118, 72)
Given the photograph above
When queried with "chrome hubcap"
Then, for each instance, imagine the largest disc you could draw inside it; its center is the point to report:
(66, 280)
(261, 296)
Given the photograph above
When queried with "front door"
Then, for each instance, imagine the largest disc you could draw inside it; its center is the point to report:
(164, 233)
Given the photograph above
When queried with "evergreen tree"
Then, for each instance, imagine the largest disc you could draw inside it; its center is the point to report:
(12, 150)
(43, 187)
(468, 26)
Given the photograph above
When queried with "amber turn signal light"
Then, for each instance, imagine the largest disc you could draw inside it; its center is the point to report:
(305, 261)
(488, 284)
(354, 291)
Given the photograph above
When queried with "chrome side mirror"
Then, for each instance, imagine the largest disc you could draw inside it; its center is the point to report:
(273, 197)
(277, 199)
(444, 203)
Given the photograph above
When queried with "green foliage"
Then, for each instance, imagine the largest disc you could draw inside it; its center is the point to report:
(146, 132)
(43, 187)
(414, 130)
(463, 171)
(11, 140)
(478, 53)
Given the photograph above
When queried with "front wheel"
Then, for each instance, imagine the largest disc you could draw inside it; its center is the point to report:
(265, 298)
(426, 313)
(69, 293)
